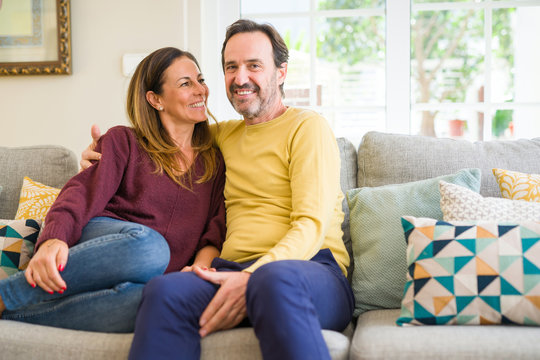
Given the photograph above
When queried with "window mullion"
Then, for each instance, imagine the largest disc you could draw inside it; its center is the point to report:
(398, 66)
(488, 14)
(313, 54)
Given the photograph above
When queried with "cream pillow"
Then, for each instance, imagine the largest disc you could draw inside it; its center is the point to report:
(518, 186)
(459, 203)
(35, 200)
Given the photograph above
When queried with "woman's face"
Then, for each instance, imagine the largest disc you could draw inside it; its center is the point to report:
(184, 93)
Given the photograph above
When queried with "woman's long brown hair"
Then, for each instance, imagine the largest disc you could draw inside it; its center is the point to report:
(151, 134)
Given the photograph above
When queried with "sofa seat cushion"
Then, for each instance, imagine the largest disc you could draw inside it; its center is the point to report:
(378, 337)
(26, 341)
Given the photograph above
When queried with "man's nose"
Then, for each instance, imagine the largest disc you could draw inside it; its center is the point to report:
(241, 76)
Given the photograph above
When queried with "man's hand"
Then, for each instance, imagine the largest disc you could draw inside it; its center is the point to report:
(228, 307)
(89, 153)
(45, 266)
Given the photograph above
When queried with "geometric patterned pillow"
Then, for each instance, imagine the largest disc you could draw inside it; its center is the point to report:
(459, 203)
(35, 200)
(518, 186)
(17, 240)
(467, 273)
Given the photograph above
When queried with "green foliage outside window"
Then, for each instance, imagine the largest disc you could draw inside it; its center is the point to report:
(446, 48)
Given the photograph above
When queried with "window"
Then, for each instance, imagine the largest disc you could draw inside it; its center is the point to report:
(471, 69)
(464, 68)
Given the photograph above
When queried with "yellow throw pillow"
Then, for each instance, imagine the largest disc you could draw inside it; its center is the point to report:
(35, 200)
(518, 186)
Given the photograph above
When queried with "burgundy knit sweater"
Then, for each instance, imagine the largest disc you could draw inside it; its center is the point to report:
(122, 186)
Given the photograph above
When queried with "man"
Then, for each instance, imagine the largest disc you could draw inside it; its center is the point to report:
(283, 264)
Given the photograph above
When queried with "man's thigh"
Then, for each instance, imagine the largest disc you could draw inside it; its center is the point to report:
(304, 286)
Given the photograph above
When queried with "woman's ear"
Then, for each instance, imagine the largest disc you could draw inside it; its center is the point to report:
(154, 100)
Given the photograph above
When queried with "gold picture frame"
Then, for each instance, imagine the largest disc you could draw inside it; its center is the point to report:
(35, 37)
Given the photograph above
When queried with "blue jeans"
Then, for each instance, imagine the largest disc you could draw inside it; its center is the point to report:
(105, 274)
(288, 303)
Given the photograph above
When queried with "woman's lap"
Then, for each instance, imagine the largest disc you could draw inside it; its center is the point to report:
(113, 260)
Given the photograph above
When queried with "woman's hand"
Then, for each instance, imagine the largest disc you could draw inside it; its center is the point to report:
(192, 268)
(89, 154)
(45, 266)
(203, 259)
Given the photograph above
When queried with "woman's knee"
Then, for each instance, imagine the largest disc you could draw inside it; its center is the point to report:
(154, 243)
(148, 248)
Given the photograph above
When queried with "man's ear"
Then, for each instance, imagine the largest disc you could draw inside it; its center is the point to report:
(282, 73)
(153, 99)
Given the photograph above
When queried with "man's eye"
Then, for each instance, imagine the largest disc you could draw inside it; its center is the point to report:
(184, 84)
(202, 81)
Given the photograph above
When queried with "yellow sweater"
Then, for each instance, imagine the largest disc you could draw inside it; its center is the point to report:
(282, 191)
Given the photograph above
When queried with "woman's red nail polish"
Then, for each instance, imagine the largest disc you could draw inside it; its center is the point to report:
(61, 267)
(61, 292)
(50, 292)
(33, 285)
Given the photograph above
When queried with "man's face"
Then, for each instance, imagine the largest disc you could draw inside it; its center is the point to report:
(251, 78)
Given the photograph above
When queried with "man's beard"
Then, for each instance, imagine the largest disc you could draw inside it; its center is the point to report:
(257, 105)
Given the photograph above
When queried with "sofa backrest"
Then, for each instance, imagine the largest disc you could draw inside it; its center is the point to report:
(393, 159)
(48, 164)
(348, 171)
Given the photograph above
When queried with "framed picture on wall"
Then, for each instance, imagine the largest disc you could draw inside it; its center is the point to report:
(35, 37)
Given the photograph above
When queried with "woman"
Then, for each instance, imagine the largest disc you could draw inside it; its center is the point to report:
(153, 204)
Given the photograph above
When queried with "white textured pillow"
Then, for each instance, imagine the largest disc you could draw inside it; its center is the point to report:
(459, 203)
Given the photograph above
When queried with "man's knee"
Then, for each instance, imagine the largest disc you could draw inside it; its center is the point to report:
(274, 279)
(180, 291)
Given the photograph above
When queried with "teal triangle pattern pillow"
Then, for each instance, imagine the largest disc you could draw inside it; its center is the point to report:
(17, 240)
(471, 273)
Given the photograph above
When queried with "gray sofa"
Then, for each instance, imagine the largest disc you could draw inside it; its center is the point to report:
(381, 159)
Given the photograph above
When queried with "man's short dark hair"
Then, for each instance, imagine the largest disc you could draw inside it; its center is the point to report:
(279, 49)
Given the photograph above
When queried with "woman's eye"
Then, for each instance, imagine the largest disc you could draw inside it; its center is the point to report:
(202, 81)
(184, 84)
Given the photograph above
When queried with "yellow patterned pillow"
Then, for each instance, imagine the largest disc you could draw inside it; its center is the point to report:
(35, 200)
(518, 186)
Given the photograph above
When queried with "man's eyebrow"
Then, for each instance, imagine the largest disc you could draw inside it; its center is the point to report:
(232, 62)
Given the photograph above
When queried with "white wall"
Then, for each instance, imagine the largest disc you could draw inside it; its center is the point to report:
(527, 76)
(59, 109)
